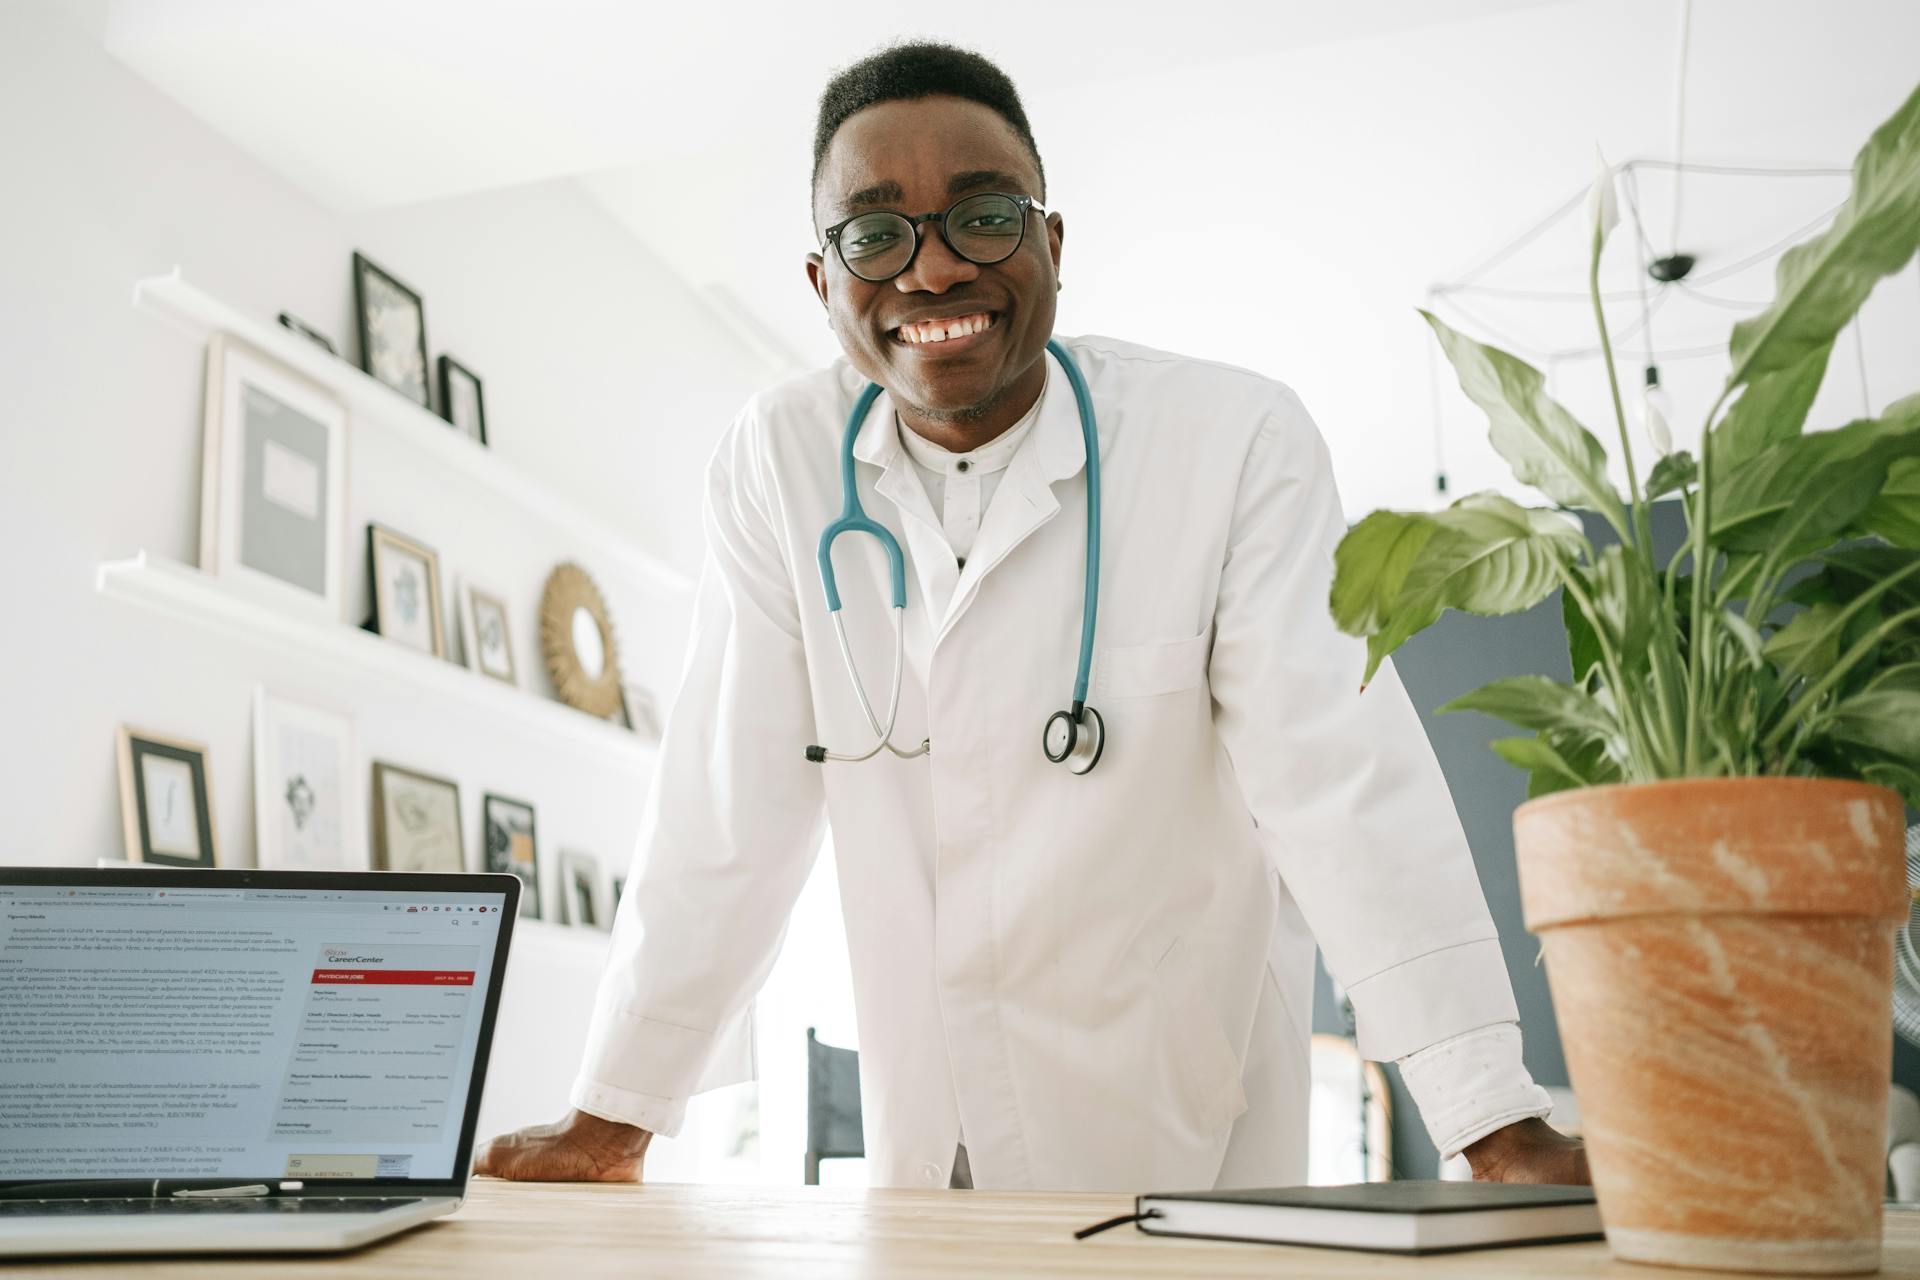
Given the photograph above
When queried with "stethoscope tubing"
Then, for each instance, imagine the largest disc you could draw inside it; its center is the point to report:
(854, 519)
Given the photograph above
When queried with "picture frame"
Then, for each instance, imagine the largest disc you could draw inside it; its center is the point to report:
(616, 889)
(416, 821)
(273, 481)
(486, 639)
(462, 403)
(511, 845)
(290, 321)
(392, 323)
(641, 711)
(580, 890)
(166, 800)
(306, 794)
(405, 579)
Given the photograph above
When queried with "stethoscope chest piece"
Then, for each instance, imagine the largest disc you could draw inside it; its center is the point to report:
(1075, 741)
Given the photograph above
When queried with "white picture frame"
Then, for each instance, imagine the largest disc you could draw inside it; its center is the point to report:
(486, 634)
(583, 891)
(273, 482)
(641, 712)
(309, 809)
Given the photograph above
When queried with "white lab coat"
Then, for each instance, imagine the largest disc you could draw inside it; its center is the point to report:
(1105, 981)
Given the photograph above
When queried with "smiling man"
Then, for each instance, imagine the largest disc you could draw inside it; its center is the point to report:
(1082, 960)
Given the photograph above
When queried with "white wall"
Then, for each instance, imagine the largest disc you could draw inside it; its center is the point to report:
(606, 379)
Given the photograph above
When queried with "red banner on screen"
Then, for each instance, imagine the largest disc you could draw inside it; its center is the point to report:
(395, 977)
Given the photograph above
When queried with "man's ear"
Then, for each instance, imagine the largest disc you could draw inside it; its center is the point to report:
(817, 277)
(1056, 233)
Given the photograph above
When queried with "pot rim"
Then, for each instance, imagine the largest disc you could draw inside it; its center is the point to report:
(1575, 795)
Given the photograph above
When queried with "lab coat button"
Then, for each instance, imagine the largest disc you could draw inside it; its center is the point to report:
(930, 1173)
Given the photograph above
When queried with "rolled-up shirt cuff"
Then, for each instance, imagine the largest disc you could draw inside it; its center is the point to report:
(662, 1116)
(1471, 1084)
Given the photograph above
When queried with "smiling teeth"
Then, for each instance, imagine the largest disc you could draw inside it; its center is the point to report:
(940, 330)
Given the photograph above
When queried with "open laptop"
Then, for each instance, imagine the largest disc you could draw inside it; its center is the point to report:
(228, 1061)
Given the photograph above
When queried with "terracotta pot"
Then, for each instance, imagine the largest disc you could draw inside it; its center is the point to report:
(1721, 958)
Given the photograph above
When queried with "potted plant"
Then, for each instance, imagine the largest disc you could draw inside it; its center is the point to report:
(1711, 848)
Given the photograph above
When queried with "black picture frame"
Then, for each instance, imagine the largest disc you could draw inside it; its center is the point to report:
(134, 746)
(307, 331)
(363, 269)
(451, 369)
(494, 846)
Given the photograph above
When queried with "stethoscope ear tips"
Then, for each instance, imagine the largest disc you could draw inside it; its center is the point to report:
(1075, 742)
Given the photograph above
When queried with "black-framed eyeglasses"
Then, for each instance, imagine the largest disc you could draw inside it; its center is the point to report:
(984, 229)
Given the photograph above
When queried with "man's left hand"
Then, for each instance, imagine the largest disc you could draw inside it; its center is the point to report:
(1529, 1151)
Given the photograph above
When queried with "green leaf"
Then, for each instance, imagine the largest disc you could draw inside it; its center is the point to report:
(1540, 440)
(1772, 408)
(1884, 719)
(1743, 631)
(1809, 645)
(1801, 494)
(1369, 569)
(1536, 757)
(1823, 282)
(1671, 474)
(1535, 702)
(1894, 513)
(1482, 555)
(1627, 601)
(1583, 643)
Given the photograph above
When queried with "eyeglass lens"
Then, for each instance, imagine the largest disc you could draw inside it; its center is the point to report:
(983, 229)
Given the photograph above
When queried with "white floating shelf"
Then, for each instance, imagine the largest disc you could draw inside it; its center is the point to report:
(169, 587)
(372, 405)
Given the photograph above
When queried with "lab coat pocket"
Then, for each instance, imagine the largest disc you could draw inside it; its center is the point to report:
(1147, 670)
(1206, 1087)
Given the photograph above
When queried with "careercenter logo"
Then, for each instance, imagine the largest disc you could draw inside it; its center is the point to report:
(340, 955)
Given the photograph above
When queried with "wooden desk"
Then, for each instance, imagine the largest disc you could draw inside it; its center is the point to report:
(564, 1232)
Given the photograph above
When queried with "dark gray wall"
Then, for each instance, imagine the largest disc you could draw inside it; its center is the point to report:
(1455, 655)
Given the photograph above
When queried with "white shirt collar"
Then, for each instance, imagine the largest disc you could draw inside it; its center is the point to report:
(1059, 445)
(990, 457)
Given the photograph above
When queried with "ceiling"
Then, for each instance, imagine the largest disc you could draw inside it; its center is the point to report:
(1274, 185)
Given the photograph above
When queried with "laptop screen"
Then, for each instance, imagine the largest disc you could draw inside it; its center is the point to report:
(154, 1028)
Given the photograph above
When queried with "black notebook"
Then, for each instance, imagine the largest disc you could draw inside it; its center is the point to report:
(1387, 1217)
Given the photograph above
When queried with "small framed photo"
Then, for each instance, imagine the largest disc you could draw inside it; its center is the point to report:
(406, 590)
(273, 488)
(641, 712)
(416, 821)
(510, 847)
(166, 805)
(484, 635)
(580, 886)
(306, 794)
(307, 331)
(393, 331)
(617, 886)
(460, 400)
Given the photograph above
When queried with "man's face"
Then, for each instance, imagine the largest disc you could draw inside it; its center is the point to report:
(916, 157)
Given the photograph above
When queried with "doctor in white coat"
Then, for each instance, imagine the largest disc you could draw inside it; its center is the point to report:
(1063, 980)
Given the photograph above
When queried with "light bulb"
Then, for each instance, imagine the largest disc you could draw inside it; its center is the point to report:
(1655, 405)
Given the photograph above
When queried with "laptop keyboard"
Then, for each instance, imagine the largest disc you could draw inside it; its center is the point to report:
(254, 1205)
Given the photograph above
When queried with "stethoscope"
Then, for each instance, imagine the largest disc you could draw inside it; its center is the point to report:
(1072, 737)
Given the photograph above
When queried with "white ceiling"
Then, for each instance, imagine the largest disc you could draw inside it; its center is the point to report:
(1336, 158)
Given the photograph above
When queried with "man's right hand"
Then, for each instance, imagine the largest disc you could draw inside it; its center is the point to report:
(580, 1148)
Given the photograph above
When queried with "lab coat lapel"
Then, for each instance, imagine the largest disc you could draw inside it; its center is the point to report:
(1056, 451)
(927, 552)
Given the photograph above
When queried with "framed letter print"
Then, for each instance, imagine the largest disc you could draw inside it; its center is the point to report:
(273, 496)
(406, 591)
(510, 847)
(483, 634)
(306, 793)
(460, 399)
(416, 821)
(393, 331)
(166, 808)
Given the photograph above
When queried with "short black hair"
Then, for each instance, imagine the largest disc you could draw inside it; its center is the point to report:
(920, 69)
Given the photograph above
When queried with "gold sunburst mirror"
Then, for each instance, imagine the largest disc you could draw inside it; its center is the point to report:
(576, 639)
